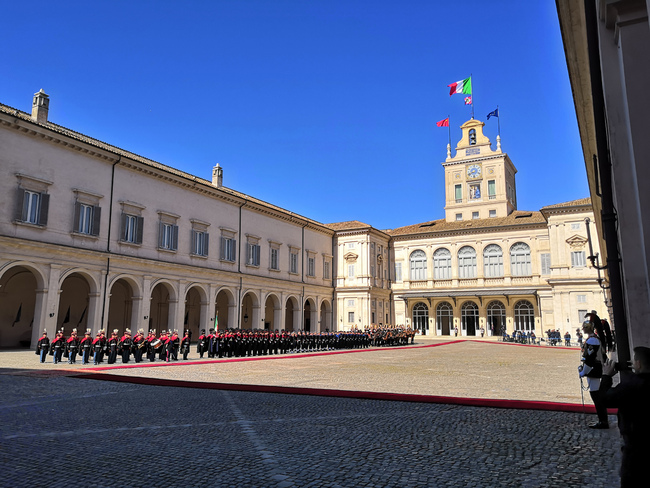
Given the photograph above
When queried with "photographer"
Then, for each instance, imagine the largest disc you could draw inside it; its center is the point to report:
(632, 398)
(591, 369)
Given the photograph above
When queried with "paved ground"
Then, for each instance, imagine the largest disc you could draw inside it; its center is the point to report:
(58, 430)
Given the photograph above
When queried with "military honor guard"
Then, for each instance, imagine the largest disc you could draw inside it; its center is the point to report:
(72, 347)
(86, 347)
(43, 346)
(202, 345)
(58, 344)
(124, 346)
(139, 345)
(112, 344)
(185, 344)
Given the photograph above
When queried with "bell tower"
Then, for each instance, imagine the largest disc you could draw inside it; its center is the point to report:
(479, 181)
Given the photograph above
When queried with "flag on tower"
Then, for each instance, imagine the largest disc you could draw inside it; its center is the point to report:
(443, 123)
(468, 100)
(462, 87)
(494, 113)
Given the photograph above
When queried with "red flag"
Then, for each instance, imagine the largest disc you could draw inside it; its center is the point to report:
(443, 123)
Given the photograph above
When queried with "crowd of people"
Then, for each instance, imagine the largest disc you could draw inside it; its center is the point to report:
(169, 345)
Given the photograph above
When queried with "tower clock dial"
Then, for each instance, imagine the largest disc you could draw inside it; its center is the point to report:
(474, 171)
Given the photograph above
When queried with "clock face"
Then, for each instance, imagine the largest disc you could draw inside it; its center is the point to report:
(474, 171)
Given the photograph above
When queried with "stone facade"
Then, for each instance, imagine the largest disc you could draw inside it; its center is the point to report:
(92, 236)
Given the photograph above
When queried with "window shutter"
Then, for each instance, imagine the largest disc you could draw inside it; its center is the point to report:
(97, 216)
(206, 240)
(257, 254)
(161, 234)
(222, 254)
(44, 209)
(249, 254)
(123, 228)
(139, 224)
(174, 237)
(77, 213)
(193, 241)
(234, 249)
(20, 203)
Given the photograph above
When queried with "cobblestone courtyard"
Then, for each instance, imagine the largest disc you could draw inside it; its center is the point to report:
(59, 430)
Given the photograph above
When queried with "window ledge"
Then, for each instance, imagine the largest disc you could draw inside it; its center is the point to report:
(29, 224)
(169, 251)
(274, 270)
(130, 244)
(223, 260)
(200, 256)
(84, 236)
(294, 273)
(252, 265)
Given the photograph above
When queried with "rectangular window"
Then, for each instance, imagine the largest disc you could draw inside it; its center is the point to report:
(350, 270)
(581, 316)
(545, 259)
(350, 317)
(275, 264)
(492, 189)
(293, 262)
(87, 219)
(326, 270)
(458, 190)
(228, 249)
(311, 267)
(253, 254)
(350, 303)
(351, 245)
(398, 272)
(132, 228)
(459, 216)
(168, 237)
(578, 259)
(493, 213)
(372, 320)
(474, 215)
(575, 226)
(582, 298)
(199, 243)
(33, 207)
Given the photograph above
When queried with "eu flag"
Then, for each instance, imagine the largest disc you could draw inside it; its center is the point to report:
(494, 113)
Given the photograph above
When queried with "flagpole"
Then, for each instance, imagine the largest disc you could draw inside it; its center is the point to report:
(498, 122)
(449, 128)
(472, 94)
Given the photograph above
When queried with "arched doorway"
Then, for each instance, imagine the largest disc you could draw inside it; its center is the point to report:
(421, 318)
(524, 315)
(159, 313)
(225, 312)
(272, 313)
(246, 319)
(120, 307)
(193, 312)
(496, 317)
(310, 316)
(444, 318)
(325, 316)
(469, 318)
(73, 304)
(17, 305)
(291, 314)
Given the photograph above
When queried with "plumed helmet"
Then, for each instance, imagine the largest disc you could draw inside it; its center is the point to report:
(115, 331)
(127, 331)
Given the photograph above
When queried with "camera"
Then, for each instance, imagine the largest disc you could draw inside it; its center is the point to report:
(622, 366)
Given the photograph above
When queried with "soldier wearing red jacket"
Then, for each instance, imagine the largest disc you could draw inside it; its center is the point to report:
(85, 347)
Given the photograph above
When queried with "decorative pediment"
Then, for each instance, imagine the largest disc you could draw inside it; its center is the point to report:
(577, 242)
(350, 257)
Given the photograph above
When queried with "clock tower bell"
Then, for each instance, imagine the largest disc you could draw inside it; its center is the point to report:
(479, 181)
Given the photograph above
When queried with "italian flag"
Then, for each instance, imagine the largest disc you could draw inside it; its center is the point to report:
(463, 86)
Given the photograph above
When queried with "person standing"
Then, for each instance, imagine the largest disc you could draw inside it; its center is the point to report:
(57, 347)
(43, 346)
(124, 345)
(185, 345)
(98, 347)
(632, 398)
(113, 341)
(85, 346)
(591, 369)
(72, 346)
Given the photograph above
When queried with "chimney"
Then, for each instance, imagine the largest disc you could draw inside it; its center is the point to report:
(40, 107)
(217, 176)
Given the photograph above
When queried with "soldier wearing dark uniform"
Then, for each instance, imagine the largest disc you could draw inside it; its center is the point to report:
(175, 344)
(164, 338)
(209, 341)
(57, 347)
(139, 345)
(72, 346)
(185, 345)
(43, 346)
(201, 345)
(151, 352)
(113, 342)
(85, 347)
(124, 346)
(98, 348)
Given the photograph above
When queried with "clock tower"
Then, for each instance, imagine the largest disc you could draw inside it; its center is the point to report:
(479, 181)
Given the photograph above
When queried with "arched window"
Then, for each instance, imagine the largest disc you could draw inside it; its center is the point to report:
(442, 264)
(421, 317)
(524, 315)
(520, 260)
(472, 137)
(469, 318)
(467, 262)
(496, 317)
(418, 265)
(444, 318)
(492, 261)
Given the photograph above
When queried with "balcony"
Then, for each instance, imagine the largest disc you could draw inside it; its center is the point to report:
(468, 282)
(418, 284)
(442, 284)
(493, 281)
(522, 280)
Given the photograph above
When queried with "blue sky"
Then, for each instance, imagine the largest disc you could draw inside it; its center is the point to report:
(326, 108)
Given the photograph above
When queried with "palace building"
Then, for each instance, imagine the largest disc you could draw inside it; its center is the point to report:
(93, 236)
